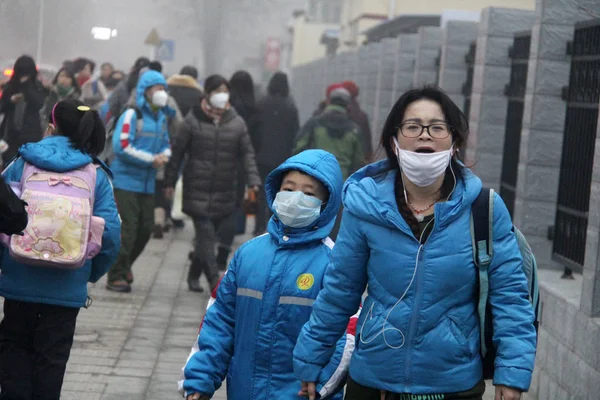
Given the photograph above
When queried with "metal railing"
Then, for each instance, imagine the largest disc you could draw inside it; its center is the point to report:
(515, 91)
(582, 96)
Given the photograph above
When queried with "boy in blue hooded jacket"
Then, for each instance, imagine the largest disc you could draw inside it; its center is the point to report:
(138, 155)
(250, 329)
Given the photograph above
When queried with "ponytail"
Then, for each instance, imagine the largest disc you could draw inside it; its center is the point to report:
(91, 134)
(82, 125)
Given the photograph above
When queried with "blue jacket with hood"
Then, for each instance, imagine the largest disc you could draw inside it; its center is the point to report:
(263, 300)
(429, 342)
(66, 288)
(135, 151)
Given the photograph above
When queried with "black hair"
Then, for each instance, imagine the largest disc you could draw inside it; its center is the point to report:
(459, 128)
(112, 82)
(213, 82)
(279, 85)
(24, 66)
(140, 63)
(71, 74)
(289, 171)
(189, 71)
(155, 66)
(80, 63)
(134, 75)
(68, 64)
(80, 124)
(107, 64)
(242, 89)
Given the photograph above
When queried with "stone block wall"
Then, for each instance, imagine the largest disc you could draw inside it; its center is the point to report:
(405, 65)
(568, 350)
(487, 117)
(383, 101)
(456, 41)
(428, 50)
(590, 293)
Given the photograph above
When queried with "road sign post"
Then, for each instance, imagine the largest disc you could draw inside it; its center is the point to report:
(152, 40)
(166, 50)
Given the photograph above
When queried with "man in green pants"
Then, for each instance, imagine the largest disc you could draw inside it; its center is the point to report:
(141, 146)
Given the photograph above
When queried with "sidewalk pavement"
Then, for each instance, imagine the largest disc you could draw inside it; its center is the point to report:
(132, 346)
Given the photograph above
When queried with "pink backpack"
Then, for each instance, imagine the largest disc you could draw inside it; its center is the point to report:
(61, 232)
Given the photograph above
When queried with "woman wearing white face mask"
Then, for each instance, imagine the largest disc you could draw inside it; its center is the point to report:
(215, 139)
(405, 236)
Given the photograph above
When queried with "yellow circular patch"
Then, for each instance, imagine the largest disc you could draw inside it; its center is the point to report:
(305, 281)
(83, 108)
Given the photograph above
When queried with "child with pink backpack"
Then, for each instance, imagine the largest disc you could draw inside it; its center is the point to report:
(72, 238)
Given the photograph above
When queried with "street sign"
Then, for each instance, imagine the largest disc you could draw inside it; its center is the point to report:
(152, 39)
(273, 54)
(166, 50)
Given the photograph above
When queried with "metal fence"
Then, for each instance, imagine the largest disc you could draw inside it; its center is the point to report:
(515, 91)
(582, 96)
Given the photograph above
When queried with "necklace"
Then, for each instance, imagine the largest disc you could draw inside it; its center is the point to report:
(419, 211)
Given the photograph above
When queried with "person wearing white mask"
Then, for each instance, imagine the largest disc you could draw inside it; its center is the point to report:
(260, 305)
(215, 139)
(405, 238)
(141, 147)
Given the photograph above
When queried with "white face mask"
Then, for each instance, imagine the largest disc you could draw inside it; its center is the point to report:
(160, 98)
(422, 169)
(296, 210)
(219, 100)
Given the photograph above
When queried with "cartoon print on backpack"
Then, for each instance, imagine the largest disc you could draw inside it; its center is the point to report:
(55, 229)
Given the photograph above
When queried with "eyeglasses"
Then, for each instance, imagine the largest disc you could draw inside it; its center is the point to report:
(414, 130)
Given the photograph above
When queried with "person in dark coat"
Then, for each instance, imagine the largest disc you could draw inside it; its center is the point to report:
(184, 88)
(13, 215)
(243, 101)
(278, 126)
(214, 138)
(22, 98)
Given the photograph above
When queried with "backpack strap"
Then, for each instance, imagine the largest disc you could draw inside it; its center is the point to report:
(139, 120)
(482, 219)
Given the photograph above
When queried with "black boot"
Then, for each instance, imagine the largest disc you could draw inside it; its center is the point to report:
(158, 232)
(193, 278)
(194, 286)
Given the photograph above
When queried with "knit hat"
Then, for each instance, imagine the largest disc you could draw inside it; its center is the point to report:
(340, 94)
(331, 88)
(351, 87)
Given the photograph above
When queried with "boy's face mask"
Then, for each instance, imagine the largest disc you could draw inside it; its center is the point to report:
(295, 209)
